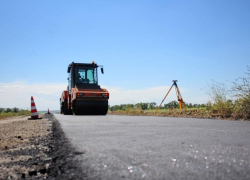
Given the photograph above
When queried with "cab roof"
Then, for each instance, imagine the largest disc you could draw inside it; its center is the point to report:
(81, 64)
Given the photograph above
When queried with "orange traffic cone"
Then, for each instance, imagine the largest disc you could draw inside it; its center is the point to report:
(33, 111)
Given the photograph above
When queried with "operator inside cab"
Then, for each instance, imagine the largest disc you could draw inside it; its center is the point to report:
(80, 78)
(86, 75)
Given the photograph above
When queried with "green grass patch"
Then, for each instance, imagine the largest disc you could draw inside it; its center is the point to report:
(10, 114)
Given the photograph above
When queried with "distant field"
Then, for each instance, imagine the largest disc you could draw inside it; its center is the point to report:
(51, 111)
(189, 112)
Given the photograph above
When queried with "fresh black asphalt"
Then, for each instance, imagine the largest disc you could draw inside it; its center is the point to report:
(146, 147)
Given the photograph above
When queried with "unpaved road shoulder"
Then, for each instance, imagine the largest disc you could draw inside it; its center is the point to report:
(23, 147)
(35, 149)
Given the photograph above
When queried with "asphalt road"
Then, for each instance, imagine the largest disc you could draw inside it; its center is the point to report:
(138, 147)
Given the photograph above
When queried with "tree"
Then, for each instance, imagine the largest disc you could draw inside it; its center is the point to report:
(15, 110)
(152, 105)
(130, 106)
(172, 104)
(202, 105)
(8, 110)
(138, 105)
(144, 106)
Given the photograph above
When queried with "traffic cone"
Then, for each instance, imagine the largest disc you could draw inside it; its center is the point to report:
(33, 111)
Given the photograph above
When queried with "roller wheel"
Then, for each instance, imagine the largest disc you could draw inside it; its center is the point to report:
(65, 111)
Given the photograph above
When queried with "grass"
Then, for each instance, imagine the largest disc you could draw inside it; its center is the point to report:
(214, 112)
(11, 114)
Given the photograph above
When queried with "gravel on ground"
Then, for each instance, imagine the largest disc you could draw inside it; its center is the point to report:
(36, 149)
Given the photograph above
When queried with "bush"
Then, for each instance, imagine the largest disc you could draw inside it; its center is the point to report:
(241, 90)
(234, 102)
(242, 108)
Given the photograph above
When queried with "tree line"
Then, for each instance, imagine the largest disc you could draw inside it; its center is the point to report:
(153, 105)
(7, 110)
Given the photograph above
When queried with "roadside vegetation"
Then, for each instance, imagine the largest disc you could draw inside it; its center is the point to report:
(8, 112)
(170, 109)
(226, 103)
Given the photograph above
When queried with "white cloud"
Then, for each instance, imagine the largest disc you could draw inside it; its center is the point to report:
(18, 94)
(15, 86)
(124, 96)
(120, 95)
(47, 95)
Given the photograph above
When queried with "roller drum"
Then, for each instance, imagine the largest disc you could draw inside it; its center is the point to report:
(90, 107)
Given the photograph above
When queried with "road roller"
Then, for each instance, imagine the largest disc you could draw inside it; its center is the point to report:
(83, 95)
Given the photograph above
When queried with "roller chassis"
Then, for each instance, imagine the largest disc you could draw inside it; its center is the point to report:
(92, 103)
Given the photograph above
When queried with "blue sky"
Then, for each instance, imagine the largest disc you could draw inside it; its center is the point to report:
(142, 44)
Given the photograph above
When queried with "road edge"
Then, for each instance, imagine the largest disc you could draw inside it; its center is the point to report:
(63, 155)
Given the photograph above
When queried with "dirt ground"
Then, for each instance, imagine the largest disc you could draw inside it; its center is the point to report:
(37, 149)
(23, 147)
